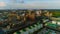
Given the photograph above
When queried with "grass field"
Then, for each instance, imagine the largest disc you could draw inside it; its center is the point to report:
(56, 13)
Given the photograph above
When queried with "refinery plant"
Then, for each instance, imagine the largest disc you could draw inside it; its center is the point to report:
(29, 21)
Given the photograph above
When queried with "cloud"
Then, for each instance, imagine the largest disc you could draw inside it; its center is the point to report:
(2, 4)
(42, 4)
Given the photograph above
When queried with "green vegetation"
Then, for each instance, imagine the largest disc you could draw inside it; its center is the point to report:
(56, 14)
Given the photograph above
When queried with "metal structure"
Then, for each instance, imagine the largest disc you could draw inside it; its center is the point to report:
(20, 27)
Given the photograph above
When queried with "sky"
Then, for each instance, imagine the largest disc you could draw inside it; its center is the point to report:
(30, 4)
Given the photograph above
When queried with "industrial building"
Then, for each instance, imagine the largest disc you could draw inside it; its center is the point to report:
(29, 22)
